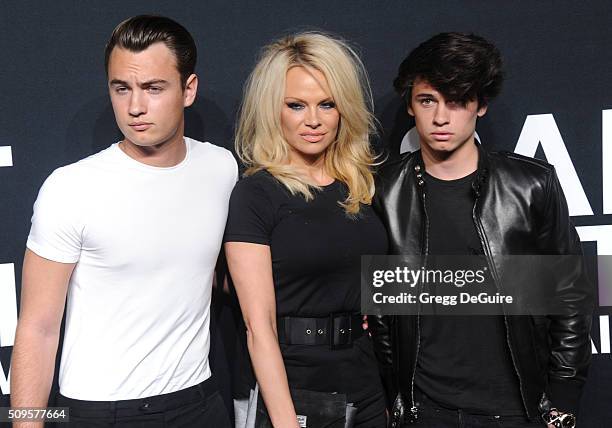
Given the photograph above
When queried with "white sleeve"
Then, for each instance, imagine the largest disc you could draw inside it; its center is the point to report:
(56, 230)
(234, 167)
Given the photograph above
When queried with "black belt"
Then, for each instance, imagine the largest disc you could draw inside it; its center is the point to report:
(335, 330)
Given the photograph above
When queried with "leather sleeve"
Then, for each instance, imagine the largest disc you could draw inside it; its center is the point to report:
(380, 328)
(570, 341)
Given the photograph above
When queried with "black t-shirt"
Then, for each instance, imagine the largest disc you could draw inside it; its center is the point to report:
(464, 361)
(316, 253)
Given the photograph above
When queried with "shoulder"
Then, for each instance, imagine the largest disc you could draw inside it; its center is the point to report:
(518, 165)
(209, 150)
(262, 190)
(79, 173)
(213, 156)
(396, 165)
(393, 169)
(261, 181)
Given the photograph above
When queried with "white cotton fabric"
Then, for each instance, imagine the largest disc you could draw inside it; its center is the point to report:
(145, 241)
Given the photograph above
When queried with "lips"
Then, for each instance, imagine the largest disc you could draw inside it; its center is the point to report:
(140, 126)
(442, 136)
(312, 137)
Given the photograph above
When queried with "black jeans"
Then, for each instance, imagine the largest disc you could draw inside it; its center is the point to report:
(197, 406)
(431, 415)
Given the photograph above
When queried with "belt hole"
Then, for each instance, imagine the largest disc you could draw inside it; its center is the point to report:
(320, 331)
(308, 331)
(342, 331)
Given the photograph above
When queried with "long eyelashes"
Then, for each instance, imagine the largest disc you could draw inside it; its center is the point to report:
(326, 105)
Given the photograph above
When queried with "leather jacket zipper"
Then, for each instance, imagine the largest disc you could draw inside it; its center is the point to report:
(425, 251)
(487, 251)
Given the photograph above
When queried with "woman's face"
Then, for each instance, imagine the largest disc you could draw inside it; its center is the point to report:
(309, 117)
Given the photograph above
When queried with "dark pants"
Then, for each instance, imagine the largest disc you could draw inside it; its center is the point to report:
(431, 415)
(198, 406)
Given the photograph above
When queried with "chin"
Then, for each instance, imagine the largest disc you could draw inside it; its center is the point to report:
(443, 147)
(144, 141)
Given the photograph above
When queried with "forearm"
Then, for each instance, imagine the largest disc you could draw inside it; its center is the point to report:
(32, 367)
(570, 360)
(271, 376)
(380, 330)
(251, 268)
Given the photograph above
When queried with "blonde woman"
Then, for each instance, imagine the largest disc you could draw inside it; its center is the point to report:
(299, 222)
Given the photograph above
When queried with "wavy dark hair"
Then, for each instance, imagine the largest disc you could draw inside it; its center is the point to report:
(462, 67)
(139, 32)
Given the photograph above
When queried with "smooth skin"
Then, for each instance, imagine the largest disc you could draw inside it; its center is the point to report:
(446, 132)
(310, 122)
(43, 294)
(148, 100)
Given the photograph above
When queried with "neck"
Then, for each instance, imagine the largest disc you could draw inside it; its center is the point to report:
(164, 155)
(312, 168)
(451, 165)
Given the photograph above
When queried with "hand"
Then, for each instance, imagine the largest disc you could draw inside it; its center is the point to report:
(365, 322)
(557, 416)
(552, 414)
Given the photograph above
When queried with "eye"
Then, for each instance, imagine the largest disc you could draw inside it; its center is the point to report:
(121, 89)
(295, 106)
(426, 102)
(455, 104)
(328, 105)
(154, 89)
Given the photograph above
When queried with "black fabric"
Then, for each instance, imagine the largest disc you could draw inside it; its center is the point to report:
(316, 251)
(314, 409)
(464, 361)
(433, 416)
(197, 406)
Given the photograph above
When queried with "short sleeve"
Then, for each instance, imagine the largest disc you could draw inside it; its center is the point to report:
(56, 233)
(251, 212)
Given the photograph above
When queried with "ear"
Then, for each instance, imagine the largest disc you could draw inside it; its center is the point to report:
(410, 111)
(481, 111)
(190, 91)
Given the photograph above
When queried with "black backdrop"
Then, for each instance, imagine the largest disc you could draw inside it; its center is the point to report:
(54, 107)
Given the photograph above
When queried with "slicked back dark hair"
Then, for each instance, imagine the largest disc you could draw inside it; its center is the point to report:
(462, 67)
(138, 33)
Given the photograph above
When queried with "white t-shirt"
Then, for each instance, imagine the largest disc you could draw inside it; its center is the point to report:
(145, 241)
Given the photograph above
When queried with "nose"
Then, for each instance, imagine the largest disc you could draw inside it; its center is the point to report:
(441, 115)
(137, 105)
(311, 118)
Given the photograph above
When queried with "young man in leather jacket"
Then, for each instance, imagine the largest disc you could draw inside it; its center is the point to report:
(452, 197)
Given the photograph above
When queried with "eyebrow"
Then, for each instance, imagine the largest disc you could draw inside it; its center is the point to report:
(425, 95)
(119, 82)
(302, 101)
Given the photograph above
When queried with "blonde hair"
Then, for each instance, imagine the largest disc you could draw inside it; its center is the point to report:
(259, 139)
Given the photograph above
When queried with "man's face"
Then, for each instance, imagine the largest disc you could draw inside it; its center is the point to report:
(443, 126)
(147, 95)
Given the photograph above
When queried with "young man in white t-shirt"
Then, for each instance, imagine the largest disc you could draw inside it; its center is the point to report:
(131, 236)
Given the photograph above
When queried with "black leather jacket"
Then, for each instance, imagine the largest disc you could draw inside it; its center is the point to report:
(519, 209)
